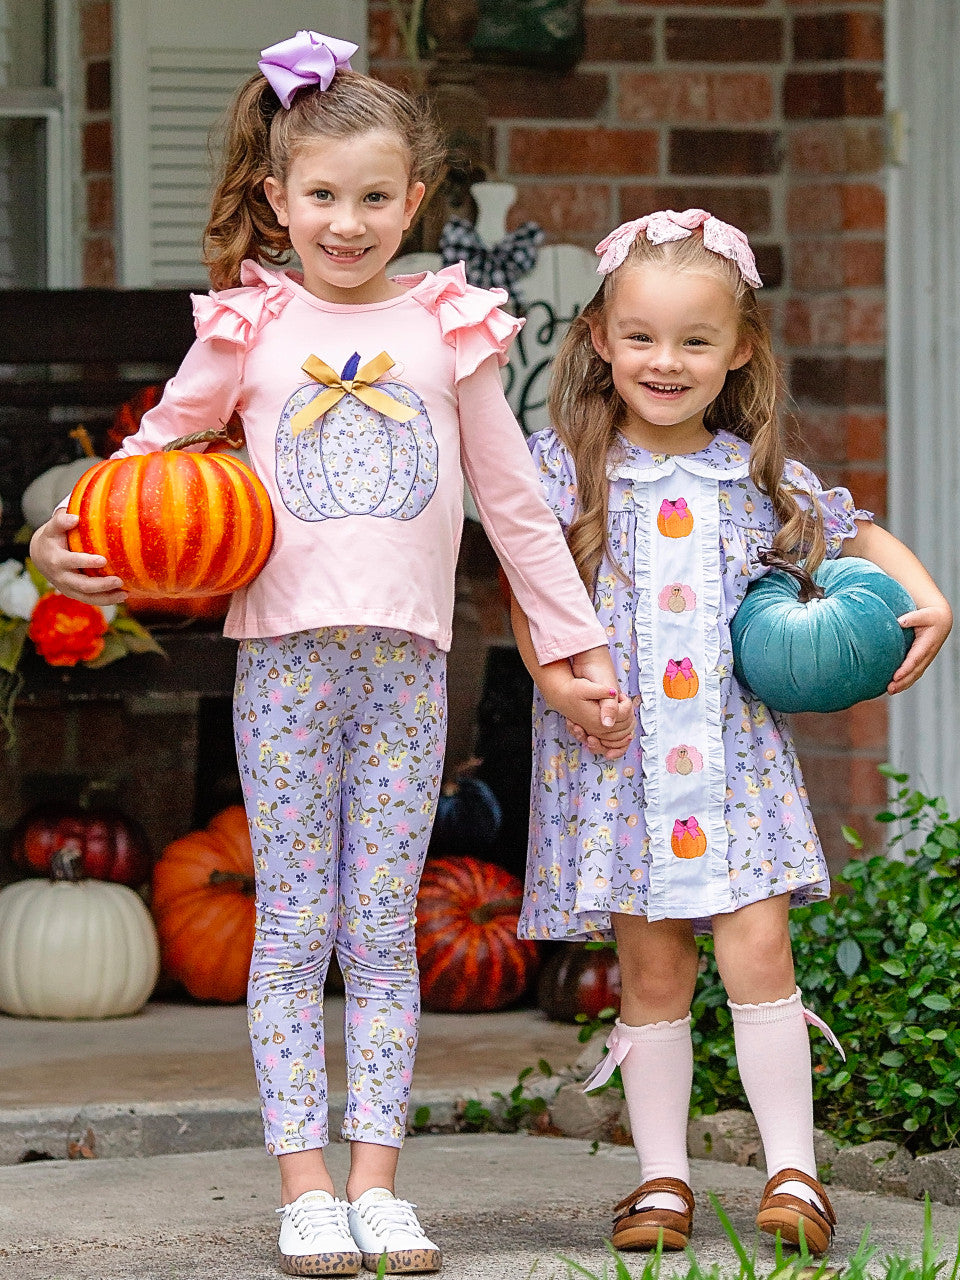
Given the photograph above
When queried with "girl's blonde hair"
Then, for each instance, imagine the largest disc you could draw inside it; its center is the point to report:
(261, 139)
(588, 411)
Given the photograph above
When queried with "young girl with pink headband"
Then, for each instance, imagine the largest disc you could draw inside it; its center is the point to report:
(361, 397)
(666, 469)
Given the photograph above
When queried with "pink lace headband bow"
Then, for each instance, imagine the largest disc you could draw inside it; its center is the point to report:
(307, 58)
(718, 237)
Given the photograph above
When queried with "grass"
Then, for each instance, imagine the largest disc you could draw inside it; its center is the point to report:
(863, 1265)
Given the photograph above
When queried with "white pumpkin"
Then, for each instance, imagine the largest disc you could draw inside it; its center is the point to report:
(75, 949)
(41, 496)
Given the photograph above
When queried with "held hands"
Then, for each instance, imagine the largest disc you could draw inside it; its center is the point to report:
(610, 742)
(931, 624)
(64, 569)
(597, 713)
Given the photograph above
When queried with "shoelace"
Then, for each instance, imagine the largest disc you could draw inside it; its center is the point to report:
(315, 1218)
(392, 1215)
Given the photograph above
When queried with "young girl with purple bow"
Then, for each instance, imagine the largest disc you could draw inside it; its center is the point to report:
(666, 469)
(361, 397)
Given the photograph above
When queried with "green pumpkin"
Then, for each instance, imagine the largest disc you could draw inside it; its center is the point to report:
(821, 648)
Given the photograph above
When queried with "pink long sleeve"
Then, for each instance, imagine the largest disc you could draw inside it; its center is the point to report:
(521, 527)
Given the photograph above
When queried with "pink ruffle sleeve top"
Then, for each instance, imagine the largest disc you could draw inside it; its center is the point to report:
(367, 492)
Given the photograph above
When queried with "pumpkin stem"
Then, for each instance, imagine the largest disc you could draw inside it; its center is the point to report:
(809, 590)
(498, 907)
(230, 433)
(82, 436)
(246, 884)
(66, 863)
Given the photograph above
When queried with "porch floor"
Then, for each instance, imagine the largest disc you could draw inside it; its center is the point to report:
(182, 1051)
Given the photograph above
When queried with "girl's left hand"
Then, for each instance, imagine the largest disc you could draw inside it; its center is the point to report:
(932, 625)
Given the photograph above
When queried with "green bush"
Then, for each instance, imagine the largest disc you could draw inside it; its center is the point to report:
(880, 962)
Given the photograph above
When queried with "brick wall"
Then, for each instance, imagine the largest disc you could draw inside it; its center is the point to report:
(770, 114)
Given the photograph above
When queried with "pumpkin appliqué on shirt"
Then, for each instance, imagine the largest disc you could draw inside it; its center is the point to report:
(355, 445)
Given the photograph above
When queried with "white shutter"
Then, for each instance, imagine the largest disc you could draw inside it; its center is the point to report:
(176, 65)
(923, 260)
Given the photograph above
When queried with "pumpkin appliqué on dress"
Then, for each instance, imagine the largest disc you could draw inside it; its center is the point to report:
(675, 519)
(688, 839)
(680, 680)
(347, 447)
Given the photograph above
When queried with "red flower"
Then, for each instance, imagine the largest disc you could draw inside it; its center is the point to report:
(67, 631)
(127, 418)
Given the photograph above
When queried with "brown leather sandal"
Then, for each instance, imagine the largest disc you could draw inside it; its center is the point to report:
(644, 1228)
(782, 1212)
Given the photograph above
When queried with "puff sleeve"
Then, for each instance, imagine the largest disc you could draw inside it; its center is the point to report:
(208, 386)
(840, 512)
(470, 319)
(237, 315)
(556, 475)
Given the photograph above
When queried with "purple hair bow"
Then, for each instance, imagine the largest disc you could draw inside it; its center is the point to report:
(666, 224)
(307, 58)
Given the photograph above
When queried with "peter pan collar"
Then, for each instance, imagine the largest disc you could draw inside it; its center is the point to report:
(725, 454)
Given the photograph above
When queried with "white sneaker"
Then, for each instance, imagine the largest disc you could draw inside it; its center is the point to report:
(315, 1237)
(383, 1225)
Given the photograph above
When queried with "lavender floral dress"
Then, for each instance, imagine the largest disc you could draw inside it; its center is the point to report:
(707, 810)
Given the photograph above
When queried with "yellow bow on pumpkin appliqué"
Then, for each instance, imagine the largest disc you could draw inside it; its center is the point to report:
(353, 381)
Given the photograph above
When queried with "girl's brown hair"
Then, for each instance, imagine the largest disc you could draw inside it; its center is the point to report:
(588, 411)
(261, 138)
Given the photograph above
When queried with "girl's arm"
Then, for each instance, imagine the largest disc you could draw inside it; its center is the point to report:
(203, 392)
(932, 618)
(604, 721)
(523, 530)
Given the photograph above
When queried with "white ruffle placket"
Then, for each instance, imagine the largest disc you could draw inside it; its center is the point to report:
(684, 769)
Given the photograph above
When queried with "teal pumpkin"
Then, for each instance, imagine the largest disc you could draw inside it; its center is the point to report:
(820, 646)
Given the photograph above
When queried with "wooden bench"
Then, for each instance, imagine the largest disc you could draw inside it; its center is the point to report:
(71, 357)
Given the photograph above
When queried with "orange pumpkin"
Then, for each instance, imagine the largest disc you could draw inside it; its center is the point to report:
(688, 840)
(174, 523)
(203, 905)
(680, 680)
(158, 607)
(471, 960)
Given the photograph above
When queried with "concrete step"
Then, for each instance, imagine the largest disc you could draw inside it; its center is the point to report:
(502, 1207)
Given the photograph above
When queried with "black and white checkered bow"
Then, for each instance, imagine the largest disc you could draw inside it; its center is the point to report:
(500, 266)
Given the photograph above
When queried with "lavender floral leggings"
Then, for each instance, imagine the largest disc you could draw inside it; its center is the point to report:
(340, 736)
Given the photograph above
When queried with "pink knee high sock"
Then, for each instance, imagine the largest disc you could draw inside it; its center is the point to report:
(773, 1058)
(657, 1074)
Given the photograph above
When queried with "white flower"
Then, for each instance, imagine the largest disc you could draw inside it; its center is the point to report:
(109, 611)
(18, 596)
(9, 570)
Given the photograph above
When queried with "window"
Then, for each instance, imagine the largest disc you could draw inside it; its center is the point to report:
(176, 64)
(34, 241)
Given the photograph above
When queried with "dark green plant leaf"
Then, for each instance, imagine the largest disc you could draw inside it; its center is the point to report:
(849, 955)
